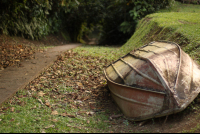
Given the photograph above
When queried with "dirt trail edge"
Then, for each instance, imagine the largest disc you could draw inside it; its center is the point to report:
(15, 78)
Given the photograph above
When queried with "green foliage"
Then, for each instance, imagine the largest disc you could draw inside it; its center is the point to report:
(30, 18)
(37, 18)
(121, 17)
(81, 17)
(25, 18)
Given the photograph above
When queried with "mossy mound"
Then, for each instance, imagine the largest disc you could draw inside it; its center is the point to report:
(180, 27)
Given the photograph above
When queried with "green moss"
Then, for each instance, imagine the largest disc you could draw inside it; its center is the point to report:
(180, 27)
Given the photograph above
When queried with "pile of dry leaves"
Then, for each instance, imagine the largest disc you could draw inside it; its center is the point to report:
(13, 50)
(78, 81)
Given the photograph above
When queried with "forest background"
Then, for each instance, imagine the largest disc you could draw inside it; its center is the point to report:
(115, 20)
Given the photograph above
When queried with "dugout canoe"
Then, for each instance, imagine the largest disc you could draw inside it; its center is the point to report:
(155, 80)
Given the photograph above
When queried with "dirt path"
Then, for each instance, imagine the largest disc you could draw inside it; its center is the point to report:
(15, 78)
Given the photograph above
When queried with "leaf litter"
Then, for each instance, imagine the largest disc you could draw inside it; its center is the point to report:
(13, 52)
(74, 82)
(77, 82)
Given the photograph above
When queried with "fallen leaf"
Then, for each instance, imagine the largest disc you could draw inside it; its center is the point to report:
(20, 46)
(28, 93)
(35, 97)
(51, 126)
(33, 89)
(90, 113)
(88, 121)
(64, 114)
(78, 101)
(40, 101)
(34, 107)
(79, 84)
(71, 116)
(73, 126)
(43, 131)
(115, 116)
(95, 87)
(4, 108)
(48, 104)
(21, 103)
(68, 115)
(73, 106)
(41, 94)
(54, 112)
(54, 120)
(20, 96)
(92, 106)
(142, 123)
(81, 112)
(12, 119)
(60, 57)
(42, 77)
(12, 109)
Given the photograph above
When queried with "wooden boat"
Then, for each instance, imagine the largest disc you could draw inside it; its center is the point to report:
(155, 80)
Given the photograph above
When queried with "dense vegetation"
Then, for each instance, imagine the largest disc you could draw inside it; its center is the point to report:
(116, 19)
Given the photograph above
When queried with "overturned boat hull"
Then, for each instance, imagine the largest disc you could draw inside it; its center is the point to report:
(155, 80)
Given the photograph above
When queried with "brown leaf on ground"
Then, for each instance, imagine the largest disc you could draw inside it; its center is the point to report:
(12, 119)
(33, 89)
(68, 115)
(34, 107)
(71, 116)
(20, 96)
(73, 106)
(116, 116)
(60, 57)
(64, 114)
(21, 103)
(12, 109)
(34, 96)
(81, 112)
(54, 112)
(142, 123)
(92, 105)
(12, 51)
(54, 120)
(90, 113)
(40, 101)
(4, 108)
(85, 98)
(48, 104)
(79, 84)
(50, 126)
(41, 94)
